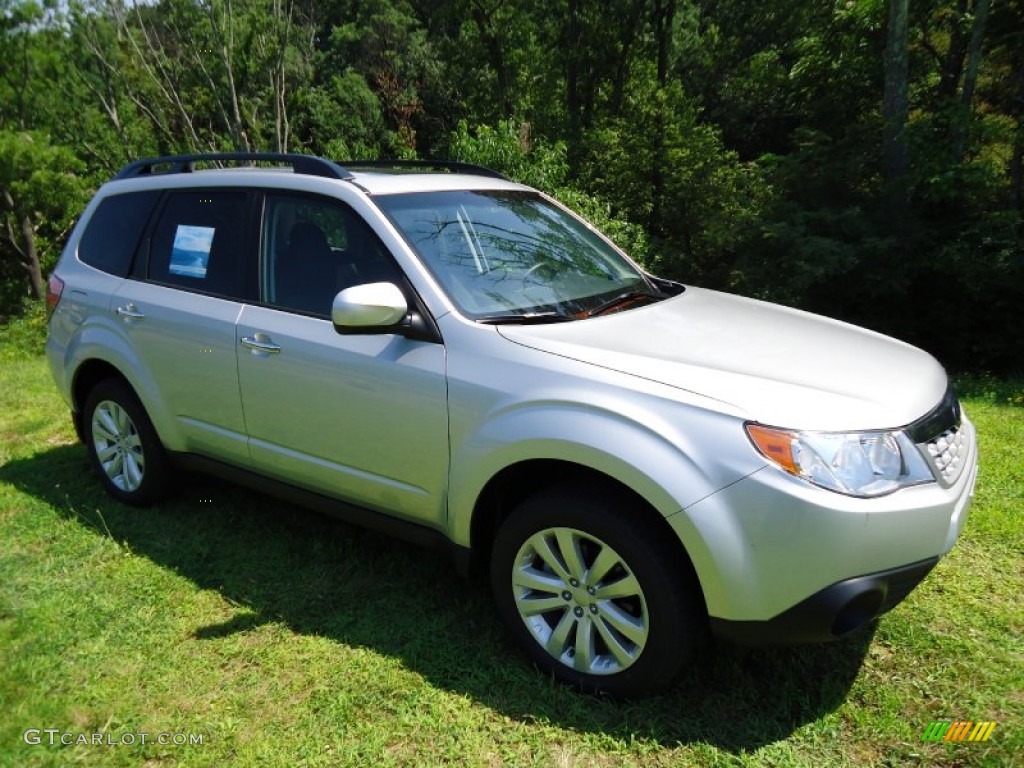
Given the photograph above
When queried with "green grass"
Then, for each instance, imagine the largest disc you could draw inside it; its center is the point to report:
(288, 639)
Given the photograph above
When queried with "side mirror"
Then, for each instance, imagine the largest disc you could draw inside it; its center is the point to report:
(369, 308)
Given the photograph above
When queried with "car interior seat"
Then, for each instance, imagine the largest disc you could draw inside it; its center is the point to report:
(306, 279)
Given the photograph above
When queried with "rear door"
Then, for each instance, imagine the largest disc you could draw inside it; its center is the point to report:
(360, 418)
(179, 314)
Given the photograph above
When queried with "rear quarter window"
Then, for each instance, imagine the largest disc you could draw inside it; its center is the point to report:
(112, 234)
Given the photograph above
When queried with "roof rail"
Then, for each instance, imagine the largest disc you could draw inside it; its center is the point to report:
(310, 165)
(444, 165)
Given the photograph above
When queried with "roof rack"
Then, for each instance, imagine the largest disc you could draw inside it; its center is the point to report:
(443, 165)
(310, 165)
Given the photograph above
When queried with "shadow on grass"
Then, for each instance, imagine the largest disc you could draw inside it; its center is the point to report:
(318, 576)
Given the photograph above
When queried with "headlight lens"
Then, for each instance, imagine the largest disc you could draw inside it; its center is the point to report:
(861, 464)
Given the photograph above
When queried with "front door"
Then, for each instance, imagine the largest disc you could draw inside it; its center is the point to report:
(360, 418)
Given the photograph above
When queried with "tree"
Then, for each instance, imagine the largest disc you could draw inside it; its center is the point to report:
(510, 149)
(214, 75)
(387, 45)
(706, 198)
(41, 190)
(17, 21)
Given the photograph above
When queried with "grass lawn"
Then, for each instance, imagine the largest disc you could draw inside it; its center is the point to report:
(284, 638)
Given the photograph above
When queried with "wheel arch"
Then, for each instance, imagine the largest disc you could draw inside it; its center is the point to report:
(86, 377)
(97, 354)
(516, 482)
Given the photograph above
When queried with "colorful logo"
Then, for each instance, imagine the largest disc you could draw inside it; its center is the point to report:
(958, 730)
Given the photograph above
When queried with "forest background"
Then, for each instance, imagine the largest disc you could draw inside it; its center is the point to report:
(857, 158)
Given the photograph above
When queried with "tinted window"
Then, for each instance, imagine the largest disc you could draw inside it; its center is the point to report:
(315, 247)
(198, 242)
(114, 230)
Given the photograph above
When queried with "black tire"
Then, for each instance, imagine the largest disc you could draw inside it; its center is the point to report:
(669, 605)
(115, 429)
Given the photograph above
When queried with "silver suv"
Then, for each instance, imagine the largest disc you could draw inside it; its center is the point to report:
(457, 359)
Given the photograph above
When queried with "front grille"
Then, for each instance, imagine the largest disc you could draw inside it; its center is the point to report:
(946, 453)
(940, 436)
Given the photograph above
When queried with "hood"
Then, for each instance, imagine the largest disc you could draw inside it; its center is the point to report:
(781, 366)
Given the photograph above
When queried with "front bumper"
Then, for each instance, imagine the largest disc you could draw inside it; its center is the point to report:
(831, 613)
(774, 552)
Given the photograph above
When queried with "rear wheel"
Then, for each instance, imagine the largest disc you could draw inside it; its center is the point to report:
(123, 446)
(593, 595)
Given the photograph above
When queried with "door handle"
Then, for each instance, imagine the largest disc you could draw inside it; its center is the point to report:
(260, 342)
(130, 312)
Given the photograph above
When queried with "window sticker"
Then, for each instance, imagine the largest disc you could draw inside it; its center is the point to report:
(191, 251)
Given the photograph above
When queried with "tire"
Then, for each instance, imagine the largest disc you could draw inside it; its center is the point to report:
(123, 447)
(621, 614)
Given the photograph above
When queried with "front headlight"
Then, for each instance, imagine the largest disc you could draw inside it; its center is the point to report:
(861, 464)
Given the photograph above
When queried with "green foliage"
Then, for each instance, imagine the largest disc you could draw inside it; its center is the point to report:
(509, 148)
(23, 332)
(343, 119)
(41, 192)
(670, 171)
(735, 144)
(990, 389)
(386, 44)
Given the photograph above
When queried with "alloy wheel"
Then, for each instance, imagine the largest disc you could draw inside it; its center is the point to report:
(580, 601)
(118, 446)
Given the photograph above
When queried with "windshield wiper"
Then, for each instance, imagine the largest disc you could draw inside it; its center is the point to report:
(621, 299)
(524, 318)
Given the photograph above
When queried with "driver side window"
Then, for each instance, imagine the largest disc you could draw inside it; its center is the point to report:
(314, 247)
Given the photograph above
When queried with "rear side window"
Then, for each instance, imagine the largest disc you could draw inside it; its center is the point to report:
(113, 232)
(198, 242)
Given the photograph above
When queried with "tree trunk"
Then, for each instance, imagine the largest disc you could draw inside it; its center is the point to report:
(629, 36)
(573, 49)
(1017, 169)
(30, 259)
(1017, 159)
(664, 13)
(970, 77)
(664, 17)
(895, 106)
(496, 54)
(226, 39)
(23, 241)
(953, 62)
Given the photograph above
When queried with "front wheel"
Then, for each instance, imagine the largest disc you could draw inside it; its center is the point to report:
(123, 446)
(593, 595)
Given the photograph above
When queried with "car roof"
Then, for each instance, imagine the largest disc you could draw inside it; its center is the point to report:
(375, 183)
(374, 177)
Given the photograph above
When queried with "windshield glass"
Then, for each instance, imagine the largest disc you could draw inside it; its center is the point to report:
(511, 253)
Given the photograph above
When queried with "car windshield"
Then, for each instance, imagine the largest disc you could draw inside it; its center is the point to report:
(512, 254)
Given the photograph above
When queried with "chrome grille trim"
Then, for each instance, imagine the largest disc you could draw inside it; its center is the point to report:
(942, 439)
(947, 453)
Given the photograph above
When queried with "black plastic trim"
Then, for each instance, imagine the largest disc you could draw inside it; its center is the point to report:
(942, 417)
(833, 612)
(309, 165)
(415, 533)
